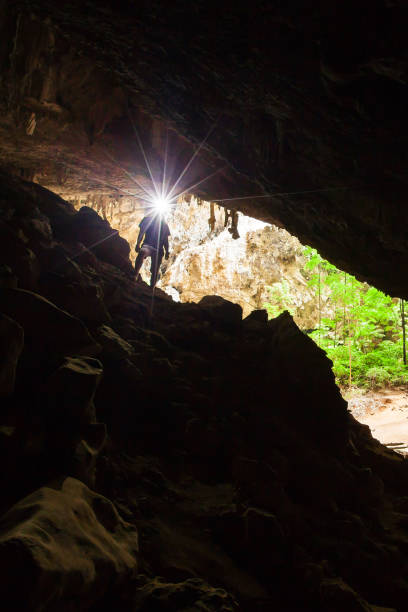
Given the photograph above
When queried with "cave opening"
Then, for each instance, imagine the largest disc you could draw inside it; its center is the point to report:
(199, 455)
(216, 251)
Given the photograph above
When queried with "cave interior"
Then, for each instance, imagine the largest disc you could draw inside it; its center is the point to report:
(179, 456)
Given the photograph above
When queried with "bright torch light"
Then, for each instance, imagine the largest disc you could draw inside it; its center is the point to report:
(161, 204)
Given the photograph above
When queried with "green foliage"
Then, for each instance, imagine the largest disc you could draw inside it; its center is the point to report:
(359, 326)
(378, 376)
(280, 299)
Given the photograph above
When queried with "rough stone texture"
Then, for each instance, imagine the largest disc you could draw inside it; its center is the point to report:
(18, 257)
(96, 234)
(192, 594)
(11, 345)
(287, 100)
(336, 595)
(210, 261)
(114, 347)
(83, 299)
(224, 442)
(206, 259)
(73, 435)
(221, 311)
(48, 330)
(61, 547)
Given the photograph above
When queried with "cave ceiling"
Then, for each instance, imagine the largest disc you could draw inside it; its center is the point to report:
(269, 98)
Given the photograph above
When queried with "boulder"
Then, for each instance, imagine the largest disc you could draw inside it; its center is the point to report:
(114, 348)
(83, 300)
(265, 541)
(189, 595)
(56, 260)
(8, 280)
(306, 372)
(15, 254)
(73, 436)
(84, 461)
(58, 211)
(96, 234)
(62, 548)
(49, 331)
(337, 596)
(70, 392)
(11, 346)
(36, 226)
(260, 483)
(222, 312)
(256, 321)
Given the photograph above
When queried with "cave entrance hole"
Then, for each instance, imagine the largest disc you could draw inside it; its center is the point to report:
(216, 251)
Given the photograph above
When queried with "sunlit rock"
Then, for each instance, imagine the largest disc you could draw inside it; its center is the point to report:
(205, 259)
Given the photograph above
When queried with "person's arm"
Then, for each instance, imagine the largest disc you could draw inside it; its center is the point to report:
(139, 240)
(142, 232)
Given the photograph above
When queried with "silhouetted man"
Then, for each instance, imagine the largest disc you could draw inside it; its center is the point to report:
(154, 236)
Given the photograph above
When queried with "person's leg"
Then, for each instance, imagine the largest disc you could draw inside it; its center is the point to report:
(154, 268)
(144, 252)
(141, 256)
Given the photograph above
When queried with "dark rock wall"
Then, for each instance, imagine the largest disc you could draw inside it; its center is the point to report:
(163, 456)
(288, 98)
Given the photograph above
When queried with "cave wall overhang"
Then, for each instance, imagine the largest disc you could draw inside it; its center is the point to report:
(282, 100)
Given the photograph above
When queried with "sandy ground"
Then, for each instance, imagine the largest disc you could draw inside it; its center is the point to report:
(384, 411)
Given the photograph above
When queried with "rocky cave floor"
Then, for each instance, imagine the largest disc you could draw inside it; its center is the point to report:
(175, 459)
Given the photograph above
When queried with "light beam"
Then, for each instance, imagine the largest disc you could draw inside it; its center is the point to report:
(161, 204)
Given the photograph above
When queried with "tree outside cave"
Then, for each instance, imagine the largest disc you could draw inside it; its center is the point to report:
(361, 329)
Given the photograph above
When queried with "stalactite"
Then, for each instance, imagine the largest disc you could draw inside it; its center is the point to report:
(227, 214)
(233, 215)
(211, 220)
(104, 206)
(233, 230)
(97, 204)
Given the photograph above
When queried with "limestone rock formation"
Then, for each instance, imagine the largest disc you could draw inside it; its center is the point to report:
(241, 270)
(61, 545)
(223, 442)
(188, 595)
(206, 259)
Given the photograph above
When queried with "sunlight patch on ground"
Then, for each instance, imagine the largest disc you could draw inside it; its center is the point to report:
(385, 412)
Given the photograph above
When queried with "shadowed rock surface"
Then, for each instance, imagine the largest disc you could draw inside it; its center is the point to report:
(63, 543)
(285, 99)
(223, 444)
